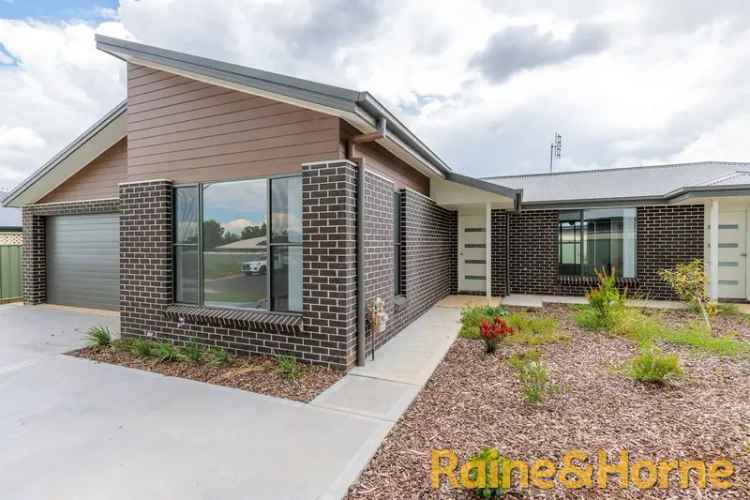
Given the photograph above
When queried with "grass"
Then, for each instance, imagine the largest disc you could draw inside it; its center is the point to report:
(519, 360)
(218, 357)
(99, 336)
(165, 352)
(535, 381)
(142, 348)
(530, 330)
(653, 367)
(647, 330)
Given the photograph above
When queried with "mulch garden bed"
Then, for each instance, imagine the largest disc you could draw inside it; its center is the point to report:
(474, 401)
(256, 373)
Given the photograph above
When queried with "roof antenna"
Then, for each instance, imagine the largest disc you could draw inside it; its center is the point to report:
(555, 149)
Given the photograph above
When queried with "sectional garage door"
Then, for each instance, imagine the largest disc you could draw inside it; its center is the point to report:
(83, 261)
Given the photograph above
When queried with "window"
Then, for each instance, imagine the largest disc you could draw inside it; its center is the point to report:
(233, 257)
(397, 287)
(596, 239)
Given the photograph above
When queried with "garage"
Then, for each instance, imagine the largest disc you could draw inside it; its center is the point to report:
(83, 261)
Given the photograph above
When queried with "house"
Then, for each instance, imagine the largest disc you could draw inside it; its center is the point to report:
(11, 232)
(263, 213)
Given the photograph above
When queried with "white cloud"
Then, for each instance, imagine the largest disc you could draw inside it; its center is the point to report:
(663, 87)
(20, 138)
(236, 226)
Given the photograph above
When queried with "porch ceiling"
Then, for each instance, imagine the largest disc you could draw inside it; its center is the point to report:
(458, 191)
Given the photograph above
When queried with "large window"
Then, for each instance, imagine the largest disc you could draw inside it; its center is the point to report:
(226, 252)
(597, 239)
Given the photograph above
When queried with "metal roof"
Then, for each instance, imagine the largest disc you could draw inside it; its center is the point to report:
(654, 182)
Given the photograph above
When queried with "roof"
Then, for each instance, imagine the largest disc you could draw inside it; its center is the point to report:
(9, 217)
(102, 135)
(654, 182)
(258, 243)
(360, 109)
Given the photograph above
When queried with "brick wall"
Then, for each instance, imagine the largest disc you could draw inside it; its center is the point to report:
(533, 251)
(666, 235)
(329, 199)
(379, 250)
(35, 240)
(453, 242)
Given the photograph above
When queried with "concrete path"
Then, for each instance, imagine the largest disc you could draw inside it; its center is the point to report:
(385, 388)
(72, 428)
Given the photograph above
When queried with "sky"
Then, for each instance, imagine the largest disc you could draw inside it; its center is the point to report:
(485, 83)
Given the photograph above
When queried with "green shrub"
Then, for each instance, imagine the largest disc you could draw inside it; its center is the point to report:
(166, 352)
(99, 336)
(142, 348)
(519, 360)
(728, 309)
(192, 351)
(218, 357)
(288, 367)
(653, 367)
(605, 302)
(535, 381)
(491, 486)
(471, 319)
(688, 280)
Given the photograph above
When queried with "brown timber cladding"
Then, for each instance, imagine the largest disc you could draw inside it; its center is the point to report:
(189, 131)
(98, 180)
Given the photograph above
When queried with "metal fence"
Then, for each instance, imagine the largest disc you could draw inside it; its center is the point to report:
(11, 273)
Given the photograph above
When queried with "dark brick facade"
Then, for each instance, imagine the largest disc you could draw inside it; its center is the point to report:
(666, 235)
(428, 253)
(146, 289)
(35, 240)
(329, 205)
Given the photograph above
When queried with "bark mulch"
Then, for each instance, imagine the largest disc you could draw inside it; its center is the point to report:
(256, 373)
(473, 401)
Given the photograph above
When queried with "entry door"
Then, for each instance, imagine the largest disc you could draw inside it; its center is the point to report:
(732, 255)
(472, 253)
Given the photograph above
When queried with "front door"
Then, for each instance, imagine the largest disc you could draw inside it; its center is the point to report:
(472, 253)
(732, 255)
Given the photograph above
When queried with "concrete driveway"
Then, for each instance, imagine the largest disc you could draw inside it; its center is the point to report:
(74, 429)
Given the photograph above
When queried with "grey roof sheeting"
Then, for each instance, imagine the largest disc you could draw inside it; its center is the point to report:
(653, 183)
(362, 104)
(67, 151)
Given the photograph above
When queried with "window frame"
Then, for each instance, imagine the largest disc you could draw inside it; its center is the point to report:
(579, 244)
(199, 246)
(397, 222)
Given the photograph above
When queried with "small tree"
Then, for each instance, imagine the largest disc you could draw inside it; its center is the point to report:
(605, 299)
(688, 280)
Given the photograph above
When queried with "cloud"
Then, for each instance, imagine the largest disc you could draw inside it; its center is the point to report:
(518, 48)
(21, 138)
(485, 84)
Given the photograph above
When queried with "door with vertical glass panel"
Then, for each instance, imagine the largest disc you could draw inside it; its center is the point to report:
(472, 253)
(732, 255)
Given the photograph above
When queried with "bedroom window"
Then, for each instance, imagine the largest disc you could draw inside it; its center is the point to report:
(595, 239)
(226, 252)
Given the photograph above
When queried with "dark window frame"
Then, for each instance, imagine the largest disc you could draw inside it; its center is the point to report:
(578, 242)
(398, 288)
(200, 249)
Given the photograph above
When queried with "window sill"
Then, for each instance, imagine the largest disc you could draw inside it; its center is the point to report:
(256, 321)
(592, 281)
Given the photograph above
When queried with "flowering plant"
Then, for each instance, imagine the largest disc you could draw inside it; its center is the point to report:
(493, 331)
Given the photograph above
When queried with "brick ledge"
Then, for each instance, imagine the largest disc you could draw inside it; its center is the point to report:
(592, 281)
(256, 321)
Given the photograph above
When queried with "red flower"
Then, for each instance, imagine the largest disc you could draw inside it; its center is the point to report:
(493, 331)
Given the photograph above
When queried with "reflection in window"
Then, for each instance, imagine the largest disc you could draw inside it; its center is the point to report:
(596, 239)
(186, 245)
(235, 244)
(286, 243)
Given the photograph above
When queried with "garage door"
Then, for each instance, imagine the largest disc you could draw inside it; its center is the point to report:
(83, 261)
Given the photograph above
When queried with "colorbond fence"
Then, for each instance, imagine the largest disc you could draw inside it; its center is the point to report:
(11, 273)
